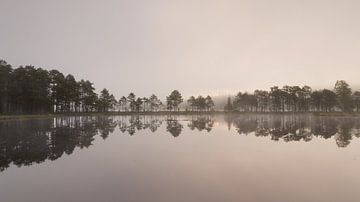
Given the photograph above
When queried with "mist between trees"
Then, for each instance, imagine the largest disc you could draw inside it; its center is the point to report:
(30, 90)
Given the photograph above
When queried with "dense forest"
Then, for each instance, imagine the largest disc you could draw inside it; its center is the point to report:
(30, 90)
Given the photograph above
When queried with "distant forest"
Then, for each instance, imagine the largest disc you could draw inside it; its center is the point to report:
(297, 99)
(30, 90)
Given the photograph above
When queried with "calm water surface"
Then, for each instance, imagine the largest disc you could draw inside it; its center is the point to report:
(180, 158)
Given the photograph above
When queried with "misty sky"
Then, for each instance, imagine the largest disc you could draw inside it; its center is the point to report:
(195, 46)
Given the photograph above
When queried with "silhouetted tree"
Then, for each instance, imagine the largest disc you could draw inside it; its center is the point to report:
(30, 88)
(276, 99)
(5, 80)
(191, 101)
(343, 92)
(228, 107)
(138, 104)
(146, 102)
(316, 100)
(155, 103)
(328, 100)
(209, 103)
(106, 101)
(72, 96)
(123, 103)
(57, 87)
(200, 103)
(245, 102)
(262, 99)
(174, 100)
(88, 97)
(131, 99)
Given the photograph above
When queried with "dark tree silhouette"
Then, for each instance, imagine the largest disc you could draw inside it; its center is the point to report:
(228, 107)
(131, 99)
(154, 102)
(174, 100)
(138, 104)
(30, 90)
(343, 92)
(5, 80)
(106, 101)
(123, 103)
(191, 102)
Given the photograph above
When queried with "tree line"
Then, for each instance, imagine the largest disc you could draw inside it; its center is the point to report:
(30, 90)
(297, 99)
(173, 102)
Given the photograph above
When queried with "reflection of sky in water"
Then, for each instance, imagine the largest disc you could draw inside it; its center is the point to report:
(212, 158)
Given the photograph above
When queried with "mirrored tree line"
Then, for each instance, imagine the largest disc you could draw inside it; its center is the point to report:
(297, 128)
(297, 99)
(34, 141)
(26, 142)
(174, 124)
(278, 127)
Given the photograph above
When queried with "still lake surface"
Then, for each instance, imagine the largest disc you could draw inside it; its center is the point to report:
(180, 158)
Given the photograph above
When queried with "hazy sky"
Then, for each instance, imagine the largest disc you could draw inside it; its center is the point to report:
(195, 46)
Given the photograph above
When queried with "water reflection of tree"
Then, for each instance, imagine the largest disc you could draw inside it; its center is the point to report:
(34, 141)
(132, 124)
(174, 127)
(105, 126)
(324, 127)
(345, 134)
(201, 123)
(296, 128)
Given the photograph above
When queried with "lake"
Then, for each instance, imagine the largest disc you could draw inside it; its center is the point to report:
(180, 158)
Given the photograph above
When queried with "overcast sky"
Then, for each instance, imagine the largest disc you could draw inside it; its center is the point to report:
(195, 46)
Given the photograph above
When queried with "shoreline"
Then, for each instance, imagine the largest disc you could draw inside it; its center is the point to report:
(162, 113)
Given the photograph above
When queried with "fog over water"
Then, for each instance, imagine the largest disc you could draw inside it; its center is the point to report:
(195, 46)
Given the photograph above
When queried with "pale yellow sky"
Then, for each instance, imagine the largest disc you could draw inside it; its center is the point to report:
(195, 46)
